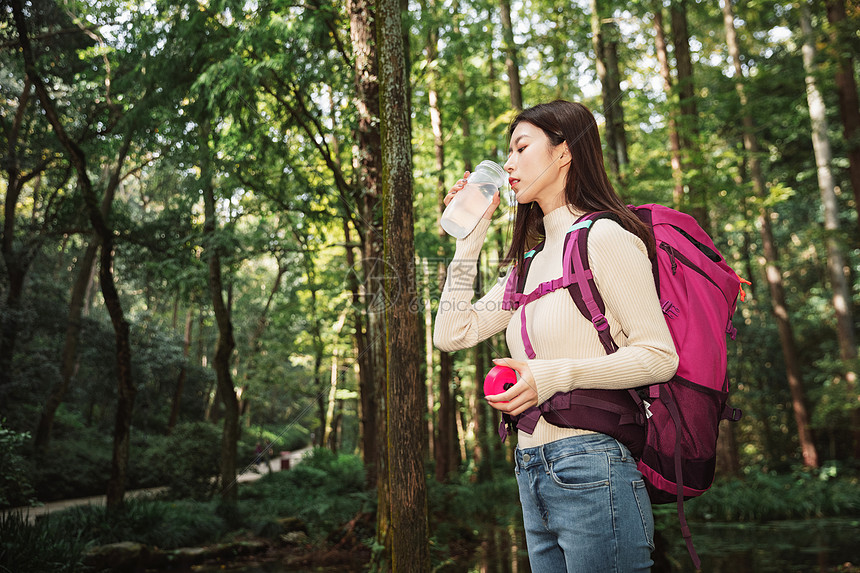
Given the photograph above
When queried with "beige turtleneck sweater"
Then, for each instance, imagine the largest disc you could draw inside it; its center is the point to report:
(569, 353)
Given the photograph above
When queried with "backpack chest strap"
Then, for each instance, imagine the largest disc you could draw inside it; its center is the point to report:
(519, 299)
(542, 290)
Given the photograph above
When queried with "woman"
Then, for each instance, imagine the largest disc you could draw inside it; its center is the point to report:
(585, 506)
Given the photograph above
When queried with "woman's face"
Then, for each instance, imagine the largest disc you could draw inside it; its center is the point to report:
(536, 168)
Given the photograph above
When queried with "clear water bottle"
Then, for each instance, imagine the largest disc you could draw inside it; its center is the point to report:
(464, 211)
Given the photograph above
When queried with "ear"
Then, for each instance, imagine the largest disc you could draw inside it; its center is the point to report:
(564, 157)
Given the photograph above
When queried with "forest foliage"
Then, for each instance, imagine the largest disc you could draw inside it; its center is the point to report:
(232, 131)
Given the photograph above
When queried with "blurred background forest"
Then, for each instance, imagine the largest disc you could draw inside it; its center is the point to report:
(194, 262)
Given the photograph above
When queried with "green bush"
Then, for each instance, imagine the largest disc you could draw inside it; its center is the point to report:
(325, 491)
(38, 547)
(163, 524)
(15, 488)
(185, 461)
(768, 496)
(77, 465)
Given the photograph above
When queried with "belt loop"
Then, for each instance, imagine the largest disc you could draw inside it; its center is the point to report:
(623, 450)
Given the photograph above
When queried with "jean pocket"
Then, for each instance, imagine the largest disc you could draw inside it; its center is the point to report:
(581, 471)
(644, 503)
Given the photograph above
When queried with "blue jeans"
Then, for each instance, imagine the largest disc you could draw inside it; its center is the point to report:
(585, 507)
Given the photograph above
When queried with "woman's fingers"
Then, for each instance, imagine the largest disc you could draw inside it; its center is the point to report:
(457, 187)
(519, 397)
(497, 198)
(515, 400)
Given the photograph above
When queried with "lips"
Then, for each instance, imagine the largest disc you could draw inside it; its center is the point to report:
(513, 181)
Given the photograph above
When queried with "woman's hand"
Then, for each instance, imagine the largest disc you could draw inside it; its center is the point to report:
(488, 214)
(519, 397)
(457, 187)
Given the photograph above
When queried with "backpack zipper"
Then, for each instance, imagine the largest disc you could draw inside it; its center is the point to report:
(674, 254)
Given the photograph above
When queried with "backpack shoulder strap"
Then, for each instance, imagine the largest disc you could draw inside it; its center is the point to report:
(582, 289)
(516, 283)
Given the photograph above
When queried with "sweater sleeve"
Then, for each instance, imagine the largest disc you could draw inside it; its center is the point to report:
(622, 273)
(460, 323)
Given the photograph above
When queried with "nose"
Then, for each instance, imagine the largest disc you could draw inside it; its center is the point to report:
(509, 164)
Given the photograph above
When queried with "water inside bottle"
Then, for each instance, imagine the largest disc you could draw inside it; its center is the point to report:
(465, 210)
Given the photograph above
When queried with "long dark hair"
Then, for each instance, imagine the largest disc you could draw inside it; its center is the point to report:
(587, 187)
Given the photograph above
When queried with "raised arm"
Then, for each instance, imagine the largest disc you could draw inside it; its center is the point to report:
(459, 322)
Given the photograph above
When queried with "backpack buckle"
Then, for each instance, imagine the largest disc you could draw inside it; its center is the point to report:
(600, 322)
(731, 330)
(669, 309)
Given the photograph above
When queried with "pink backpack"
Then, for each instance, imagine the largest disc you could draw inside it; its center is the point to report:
(671, 428)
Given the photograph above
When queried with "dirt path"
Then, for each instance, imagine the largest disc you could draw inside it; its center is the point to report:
(252, 473)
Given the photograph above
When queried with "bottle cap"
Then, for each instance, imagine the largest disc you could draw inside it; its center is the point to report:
(489, 171)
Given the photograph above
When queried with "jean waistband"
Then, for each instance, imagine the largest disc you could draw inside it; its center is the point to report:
(539, 455)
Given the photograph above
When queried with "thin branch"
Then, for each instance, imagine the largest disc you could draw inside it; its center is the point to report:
(46, 35)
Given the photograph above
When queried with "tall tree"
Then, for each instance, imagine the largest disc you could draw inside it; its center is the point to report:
(183, 373)
(371, 356)
(842, 297)
(512, 62)
(69, 355)
(772, 269)
(17, 253)
(666, 74)
(36, 172)
(445, 437)
(408, 535)
(226, 342)
(126, 388)
(605, 45)
(846, 89)
(462, 89)
(688, 121)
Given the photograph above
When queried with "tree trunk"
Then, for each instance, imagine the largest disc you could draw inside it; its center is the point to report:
(69, 356)
(319, 349)
(408, 533)
(332, 396)
(478, 419)
(372, 359)
(674, 136)
(183, 373)
(126, 388)
(446, 430)
(613, 71)
(842, 299)
(429, 353)
(445, 450)
(696, 197)
(846, 89)
(366, 389)
(600, 68)
(17, 262)
(605, 45)
(771, 259)
(512, 58)
(226, 342)
(465, 124)
(478, 404)
(446, 427)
